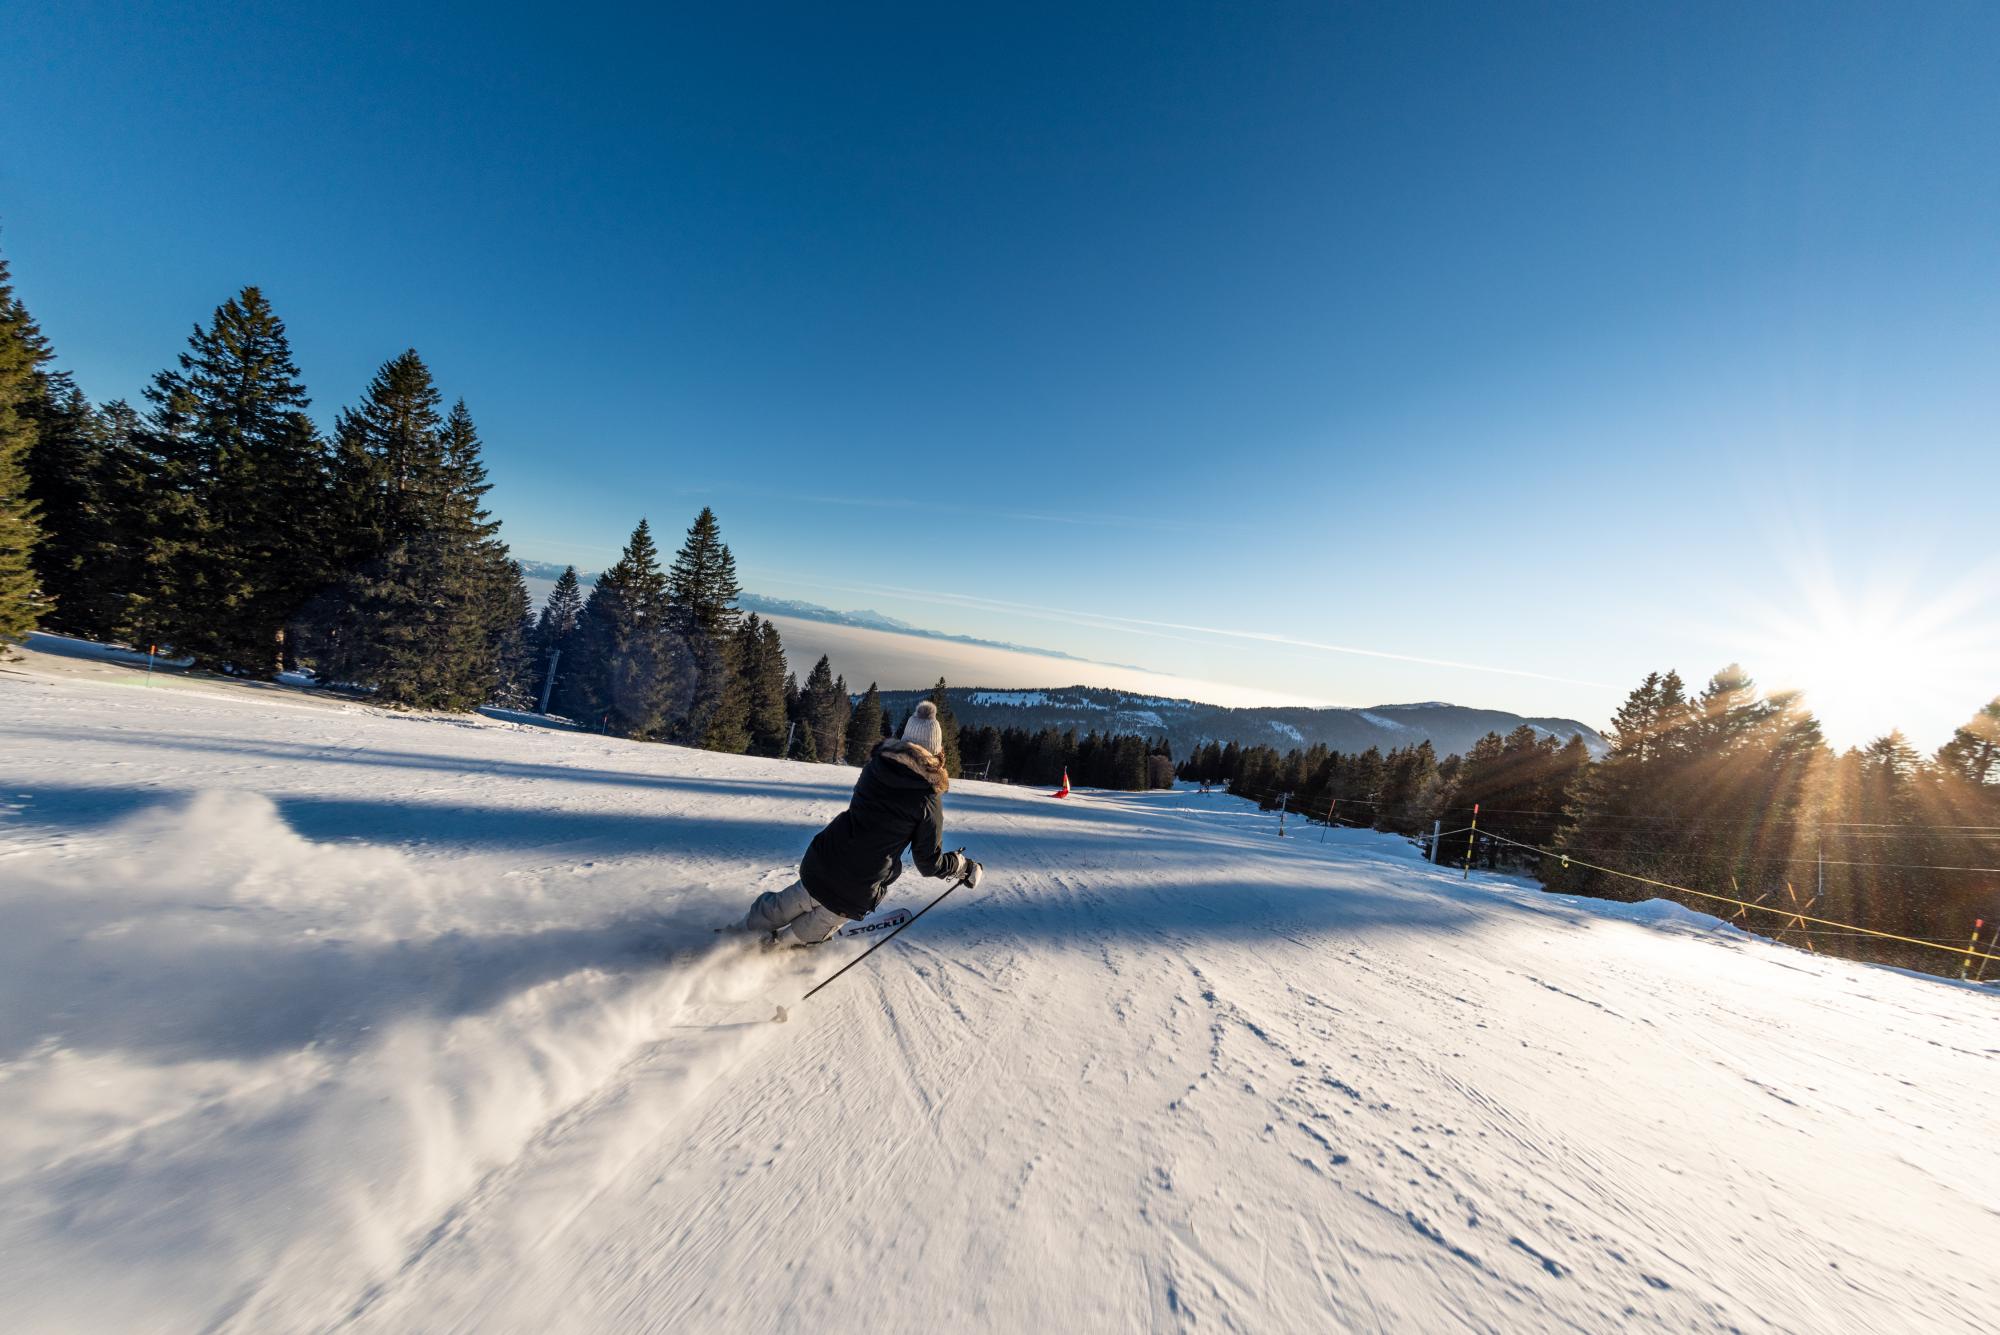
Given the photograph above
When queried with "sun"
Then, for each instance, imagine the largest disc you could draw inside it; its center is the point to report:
(1878, 657)
(1856, 671)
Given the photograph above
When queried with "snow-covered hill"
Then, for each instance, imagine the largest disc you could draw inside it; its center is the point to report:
(317, 1017)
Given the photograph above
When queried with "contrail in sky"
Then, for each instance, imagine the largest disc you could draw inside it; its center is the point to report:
(1144, 626)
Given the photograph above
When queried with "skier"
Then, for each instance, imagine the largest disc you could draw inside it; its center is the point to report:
(897, 804)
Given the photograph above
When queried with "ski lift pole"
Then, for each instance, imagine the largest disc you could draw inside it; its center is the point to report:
(784, 1014)
(1471, 833)
(549, 682)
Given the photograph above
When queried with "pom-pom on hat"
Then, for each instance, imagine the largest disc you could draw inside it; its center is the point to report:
(924, 728)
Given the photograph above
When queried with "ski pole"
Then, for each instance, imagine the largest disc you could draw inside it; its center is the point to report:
(784, 1015)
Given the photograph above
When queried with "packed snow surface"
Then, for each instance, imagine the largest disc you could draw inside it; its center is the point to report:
(315, 1016)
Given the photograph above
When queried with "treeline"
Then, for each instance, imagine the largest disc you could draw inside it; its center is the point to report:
(1728, 790)
(1404, 790)
(1011, 754)
(1736, 792)
(219, 522)
(1120, 761)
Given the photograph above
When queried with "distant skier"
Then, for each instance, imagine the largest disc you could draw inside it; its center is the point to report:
(897, 804)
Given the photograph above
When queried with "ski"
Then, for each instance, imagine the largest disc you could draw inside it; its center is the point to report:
(876, 922)
(973, 873)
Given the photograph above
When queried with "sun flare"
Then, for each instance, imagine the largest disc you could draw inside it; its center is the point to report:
(1877, 659)
(1855, 675)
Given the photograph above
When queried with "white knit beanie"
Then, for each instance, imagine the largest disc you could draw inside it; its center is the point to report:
(924, 728)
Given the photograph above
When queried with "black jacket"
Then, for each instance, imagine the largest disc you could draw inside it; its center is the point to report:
(897, 804)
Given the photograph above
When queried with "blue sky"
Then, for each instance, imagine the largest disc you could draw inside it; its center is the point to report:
(1556, 342)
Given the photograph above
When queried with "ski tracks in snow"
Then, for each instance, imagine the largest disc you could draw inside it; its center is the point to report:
(1161, 1071)
(511, 1215)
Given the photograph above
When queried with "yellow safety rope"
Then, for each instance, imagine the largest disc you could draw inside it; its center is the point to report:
(1761, 908)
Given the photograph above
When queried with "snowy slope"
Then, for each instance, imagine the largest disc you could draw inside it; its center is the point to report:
(314, 1017)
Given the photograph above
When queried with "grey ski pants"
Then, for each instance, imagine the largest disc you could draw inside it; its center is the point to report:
(793, 908)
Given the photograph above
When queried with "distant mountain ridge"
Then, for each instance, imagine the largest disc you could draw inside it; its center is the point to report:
(1452, 729)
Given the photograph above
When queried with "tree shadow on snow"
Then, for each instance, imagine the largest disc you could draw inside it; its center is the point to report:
(415, 823)
(802, 780)
(110, 979)
(177, 995)
(1205, 904)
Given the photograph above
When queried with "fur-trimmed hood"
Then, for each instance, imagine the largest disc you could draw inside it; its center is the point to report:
(916, 759)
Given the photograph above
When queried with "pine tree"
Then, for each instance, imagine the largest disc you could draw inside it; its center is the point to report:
(728, 727)
(389, 468)
(633, 673)
(1676, 727)
(490, 641)
(432, 602)
(1562, 778)
(1409, 776)
(865, 728)
(822, 711)
(22, 354)
(844, 709)
(703, 579)
(764, 674)
(555, 634)
(1973, 753)
(949, 722)
(62, 482)
(805, 739)
(95, 561)
(1364, 776)
(1636, 724)
(703, 589)
(1729, 712)
(1130, 773)
(511, 629)
(239, 475)
(1890, 760)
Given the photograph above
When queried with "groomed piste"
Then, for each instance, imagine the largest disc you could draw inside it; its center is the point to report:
(314, 1016)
